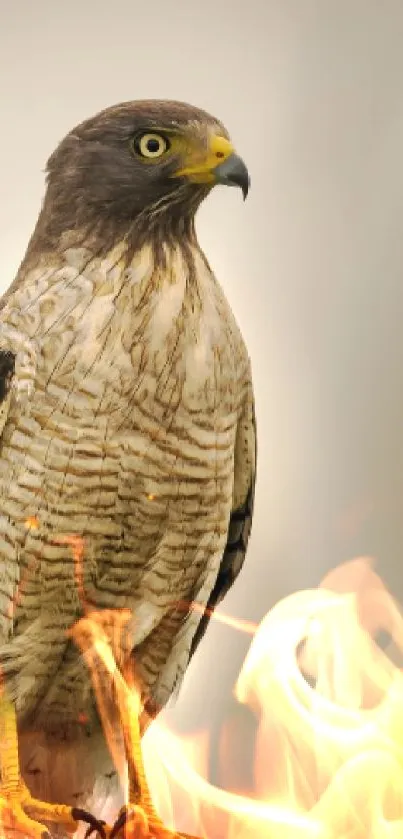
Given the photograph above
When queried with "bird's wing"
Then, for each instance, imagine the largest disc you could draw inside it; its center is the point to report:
(240, 522)
(7, 367)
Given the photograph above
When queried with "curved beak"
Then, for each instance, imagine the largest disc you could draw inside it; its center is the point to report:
(219, 164)
(233, 172)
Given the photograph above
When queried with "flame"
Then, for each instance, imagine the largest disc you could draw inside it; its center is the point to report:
(328, 753)
(32, 523)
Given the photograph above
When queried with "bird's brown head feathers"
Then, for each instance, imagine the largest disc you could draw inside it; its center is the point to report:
(137, 170)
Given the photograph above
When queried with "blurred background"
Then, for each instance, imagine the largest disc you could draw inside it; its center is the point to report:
(311, 91)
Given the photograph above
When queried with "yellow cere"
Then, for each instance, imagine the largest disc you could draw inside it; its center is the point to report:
(200, 165)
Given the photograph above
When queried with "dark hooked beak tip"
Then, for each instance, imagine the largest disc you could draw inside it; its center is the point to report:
(233, 172)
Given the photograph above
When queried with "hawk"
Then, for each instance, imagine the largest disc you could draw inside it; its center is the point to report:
(126, 420)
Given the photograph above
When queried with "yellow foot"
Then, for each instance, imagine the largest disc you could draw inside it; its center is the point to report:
(22, 815)
(132, 823)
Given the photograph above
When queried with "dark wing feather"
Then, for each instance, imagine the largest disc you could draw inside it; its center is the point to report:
(239, 529)
(7, 368)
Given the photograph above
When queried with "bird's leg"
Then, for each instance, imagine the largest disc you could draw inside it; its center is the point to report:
(20, 813)
(101, 637)
(138, 818)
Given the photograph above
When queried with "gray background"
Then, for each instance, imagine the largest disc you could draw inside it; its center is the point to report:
(311, 91)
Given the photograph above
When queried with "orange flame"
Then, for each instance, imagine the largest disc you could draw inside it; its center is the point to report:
(329, 744)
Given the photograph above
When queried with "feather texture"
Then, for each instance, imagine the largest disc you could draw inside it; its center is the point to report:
(140, 409)
(126, 423)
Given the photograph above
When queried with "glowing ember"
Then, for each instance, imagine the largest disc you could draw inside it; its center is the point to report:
(329, 748)
(32, 523)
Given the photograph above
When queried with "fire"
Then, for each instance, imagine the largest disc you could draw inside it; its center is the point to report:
(328, 703)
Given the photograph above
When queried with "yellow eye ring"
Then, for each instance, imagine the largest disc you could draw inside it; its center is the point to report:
(151, 145)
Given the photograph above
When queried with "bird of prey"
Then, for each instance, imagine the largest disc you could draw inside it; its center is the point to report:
(126, 420)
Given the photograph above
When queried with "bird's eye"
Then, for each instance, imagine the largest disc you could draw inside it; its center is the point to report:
(150, 145)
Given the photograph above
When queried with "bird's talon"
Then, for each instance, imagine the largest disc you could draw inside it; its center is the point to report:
(94, 824)
(135, 822)
(91, 829)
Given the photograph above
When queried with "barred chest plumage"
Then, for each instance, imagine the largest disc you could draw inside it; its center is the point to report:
(131, 380)
(127, 453)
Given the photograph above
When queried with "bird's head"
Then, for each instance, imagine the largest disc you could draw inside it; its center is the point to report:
(142, 166)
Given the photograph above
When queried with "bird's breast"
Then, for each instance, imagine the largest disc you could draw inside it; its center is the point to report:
(108, 339)
(137, 392)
